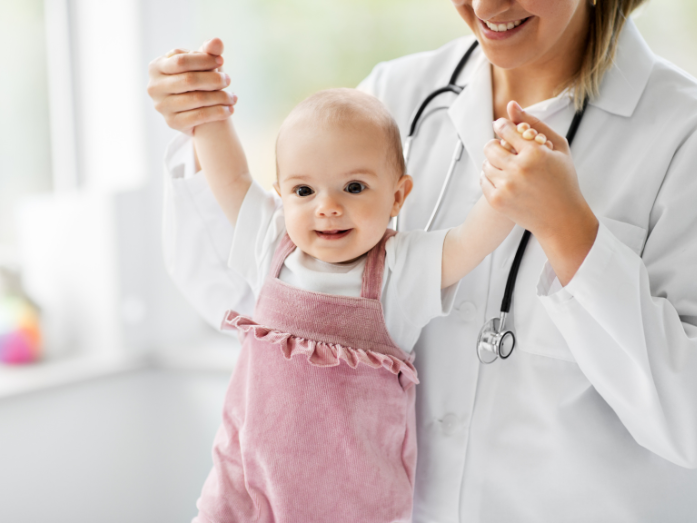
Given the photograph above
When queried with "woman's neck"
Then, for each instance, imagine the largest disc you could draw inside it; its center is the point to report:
(534, 82)
(524, 86)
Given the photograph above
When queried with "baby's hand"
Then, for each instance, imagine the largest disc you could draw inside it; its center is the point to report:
(528, 133)
(186, 86)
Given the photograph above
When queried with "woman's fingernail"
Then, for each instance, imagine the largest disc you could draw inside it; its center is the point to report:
(219, 60)
(498, 124)
(226, 78)
(233, 98)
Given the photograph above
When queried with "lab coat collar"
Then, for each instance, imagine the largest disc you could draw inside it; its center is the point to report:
(624, 83)
(472, 112)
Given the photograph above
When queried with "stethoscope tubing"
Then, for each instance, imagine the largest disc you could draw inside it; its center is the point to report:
(452, 87)
(513, 274)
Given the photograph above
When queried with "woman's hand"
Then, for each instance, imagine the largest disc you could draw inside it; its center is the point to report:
(186, 86)
(536, 186)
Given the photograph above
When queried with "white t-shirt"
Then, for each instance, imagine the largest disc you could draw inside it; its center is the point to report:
(411, 293)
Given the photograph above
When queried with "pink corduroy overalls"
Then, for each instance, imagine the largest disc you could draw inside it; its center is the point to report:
(318, 423)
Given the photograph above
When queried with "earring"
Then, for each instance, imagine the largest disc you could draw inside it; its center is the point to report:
(594, 2)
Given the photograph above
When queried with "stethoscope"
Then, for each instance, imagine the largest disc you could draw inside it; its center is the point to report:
(494, 341)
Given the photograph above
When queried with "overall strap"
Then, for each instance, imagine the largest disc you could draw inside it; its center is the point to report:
(282, 251)
(374, 269)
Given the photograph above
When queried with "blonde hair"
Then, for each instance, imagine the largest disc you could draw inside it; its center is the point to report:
(607, 18)
(347, 107)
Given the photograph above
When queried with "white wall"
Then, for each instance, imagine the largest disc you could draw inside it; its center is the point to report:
(133, 448)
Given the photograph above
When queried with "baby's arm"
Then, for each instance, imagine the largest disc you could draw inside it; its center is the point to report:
(224, 164)
(469, 243)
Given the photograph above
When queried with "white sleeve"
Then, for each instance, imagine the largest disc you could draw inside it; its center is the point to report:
(370, 84)
(260, 227)
(631, 321)
(196, 238)
(412, 291)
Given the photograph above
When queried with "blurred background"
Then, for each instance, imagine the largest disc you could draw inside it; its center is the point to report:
(108, 412)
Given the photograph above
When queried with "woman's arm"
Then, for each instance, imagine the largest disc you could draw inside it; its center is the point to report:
(629, 318)
(466, 245)
(631, 321)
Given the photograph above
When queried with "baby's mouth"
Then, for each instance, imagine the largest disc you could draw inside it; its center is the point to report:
(334, 234)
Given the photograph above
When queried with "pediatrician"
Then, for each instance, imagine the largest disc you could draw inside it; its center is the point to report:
(593, 418)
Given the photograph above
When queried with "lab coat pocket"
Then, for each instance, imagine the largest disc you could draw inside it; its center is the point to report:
(536, 332)
(631, 235)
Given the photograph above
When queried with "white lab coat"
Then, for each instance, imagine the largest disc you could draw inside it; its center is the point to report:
(594, 416)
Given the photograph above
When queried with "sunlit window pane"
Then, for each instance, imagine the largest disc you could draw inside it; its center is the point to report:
(24, 128)
(669, 28)
(280, 51)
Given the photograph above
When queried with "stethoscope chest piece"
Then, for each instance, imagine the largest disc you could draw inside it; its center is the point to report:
(494, 341)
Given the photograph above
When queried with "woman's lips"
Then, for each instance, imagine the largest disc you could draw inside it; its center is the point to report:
(502, 30)
(335, 234)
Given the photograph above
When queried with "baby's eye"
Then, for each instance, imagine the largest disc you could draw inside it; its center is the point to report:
(355, 187)
(303, 190)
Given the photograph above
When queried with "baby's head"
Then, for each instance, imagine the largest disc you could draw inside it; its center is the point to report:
(340, 173)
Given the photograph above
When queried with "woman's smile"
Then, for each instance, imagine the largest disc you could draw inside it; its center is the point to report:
(502, 30)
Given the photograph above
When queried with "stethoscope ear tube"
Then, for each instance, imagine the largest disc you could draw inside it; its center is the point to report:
(493, 341)
(452, 87)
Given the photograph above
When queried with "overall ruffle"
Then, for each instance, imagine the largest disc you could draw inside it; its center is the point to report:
(318, 353)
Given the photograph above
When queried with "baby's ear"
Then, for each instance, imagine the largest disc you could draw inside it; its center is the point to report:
(404, 187)
(277, 188)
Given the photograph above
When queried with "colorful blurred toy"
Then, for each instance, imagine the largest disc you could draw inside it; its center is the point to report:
(20, 333)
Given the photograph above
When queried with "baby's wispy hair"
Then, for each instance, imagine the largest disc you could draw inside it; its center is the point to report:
(351, 107)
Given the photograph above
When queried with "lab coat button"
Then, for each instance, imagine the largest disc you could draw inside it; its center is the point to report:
(467, 311)
(450, 424)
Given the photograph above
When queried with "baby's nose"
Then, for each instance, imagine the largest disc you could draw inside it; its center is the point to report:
(329, 206)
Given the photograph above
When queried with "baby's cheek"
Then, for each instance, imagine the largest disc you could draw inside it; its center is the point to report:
(295, 228)
(376, 219)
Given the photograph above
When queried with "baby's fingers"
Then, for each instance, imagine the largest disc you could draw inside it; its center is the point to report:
(519, 116)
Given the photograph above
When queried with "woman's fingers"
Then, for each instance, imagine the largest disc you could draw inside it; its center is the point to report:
(178, 103)
(186, 86)
(195, 81)
(188, 119)
(517, 116)
(495, 184)
(214, 47)
(496, 176)
(509, 132)
(186, 62)
(497, 154)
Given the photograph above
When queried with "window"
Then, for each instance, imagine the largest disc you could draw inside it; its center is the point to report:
(25, 157)
(280, 51)
(75, 116)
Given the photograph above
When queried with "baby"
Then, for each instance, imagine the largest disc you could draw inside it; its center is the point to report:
(318, 422)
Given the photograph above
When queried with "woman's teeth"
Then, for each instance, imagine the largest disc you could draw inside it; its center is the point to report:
(500, 28)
